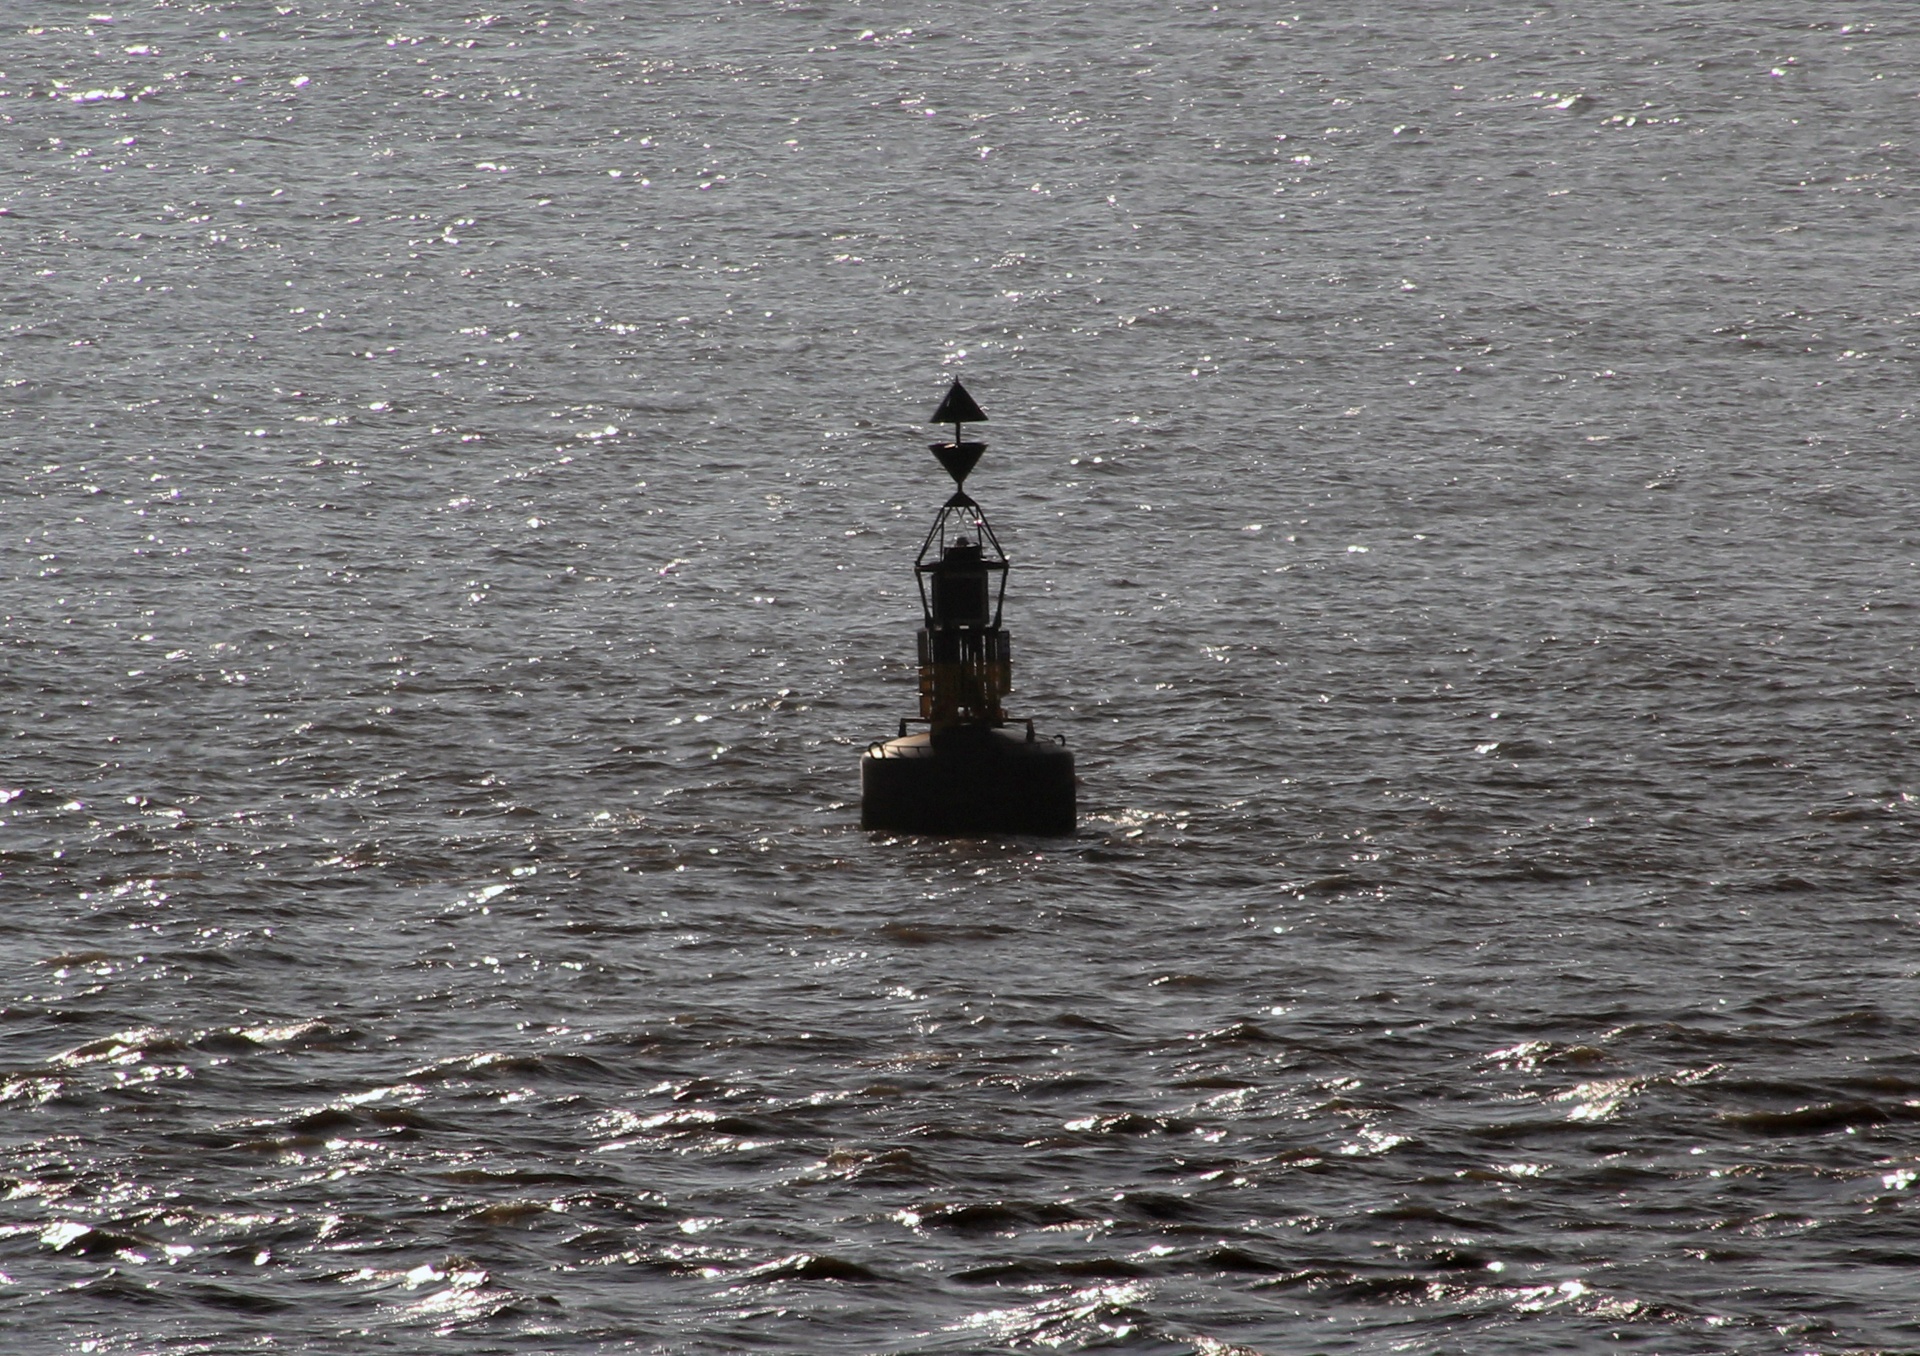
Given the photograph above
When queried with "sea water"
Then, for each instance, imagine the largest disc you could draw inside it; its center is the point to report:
(462, 476)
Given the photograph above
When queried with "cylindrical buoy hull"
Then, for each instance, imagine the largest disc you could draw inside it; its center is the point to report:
(966, 782)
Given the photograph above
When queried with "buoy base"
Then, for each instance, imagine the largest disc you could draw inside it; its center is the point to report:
(967, 781)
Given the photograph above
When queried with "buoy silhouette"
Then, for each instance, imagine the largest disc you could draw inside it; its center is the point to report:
(967, 774)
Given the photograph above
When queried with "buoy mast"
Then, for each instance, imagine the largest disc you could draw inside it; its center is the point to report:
(965, 775)
(965, 664)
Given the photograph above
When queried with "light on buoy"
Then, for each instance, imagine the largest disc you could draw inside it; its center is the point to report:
(966, 774)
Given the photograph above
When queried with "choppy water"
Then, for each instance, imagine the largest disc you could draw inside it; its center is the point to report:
(461, 477)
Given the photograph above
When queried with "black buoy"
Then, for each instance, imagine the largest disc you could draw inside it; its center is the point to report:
(966, 774)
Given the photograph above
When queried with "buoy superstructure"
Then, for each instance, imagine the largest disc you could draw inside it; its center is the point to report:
(967, 774)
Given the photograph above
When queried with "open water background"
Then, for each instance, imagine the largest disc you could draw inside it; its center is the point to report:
(461, 476)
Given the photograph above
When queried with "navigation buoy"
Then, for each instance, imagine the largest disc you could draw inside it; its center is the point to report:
(967, 774)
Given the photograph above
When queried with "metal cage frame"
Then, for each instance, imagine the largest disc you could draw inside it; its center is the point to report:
(934, 548)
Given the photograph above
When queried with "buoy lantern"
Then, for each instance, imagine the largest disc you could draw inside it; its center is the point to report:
(967, 774)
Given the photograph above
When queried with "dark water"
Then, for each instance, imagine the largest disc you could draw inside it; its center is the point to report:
(461, 477)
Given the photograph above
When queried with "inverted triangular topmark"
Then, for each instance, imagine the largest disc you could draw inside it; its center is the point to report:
(958, 458)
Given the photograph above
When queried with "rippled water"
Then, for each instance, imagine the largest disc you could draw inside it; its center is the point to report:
(462, 476)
